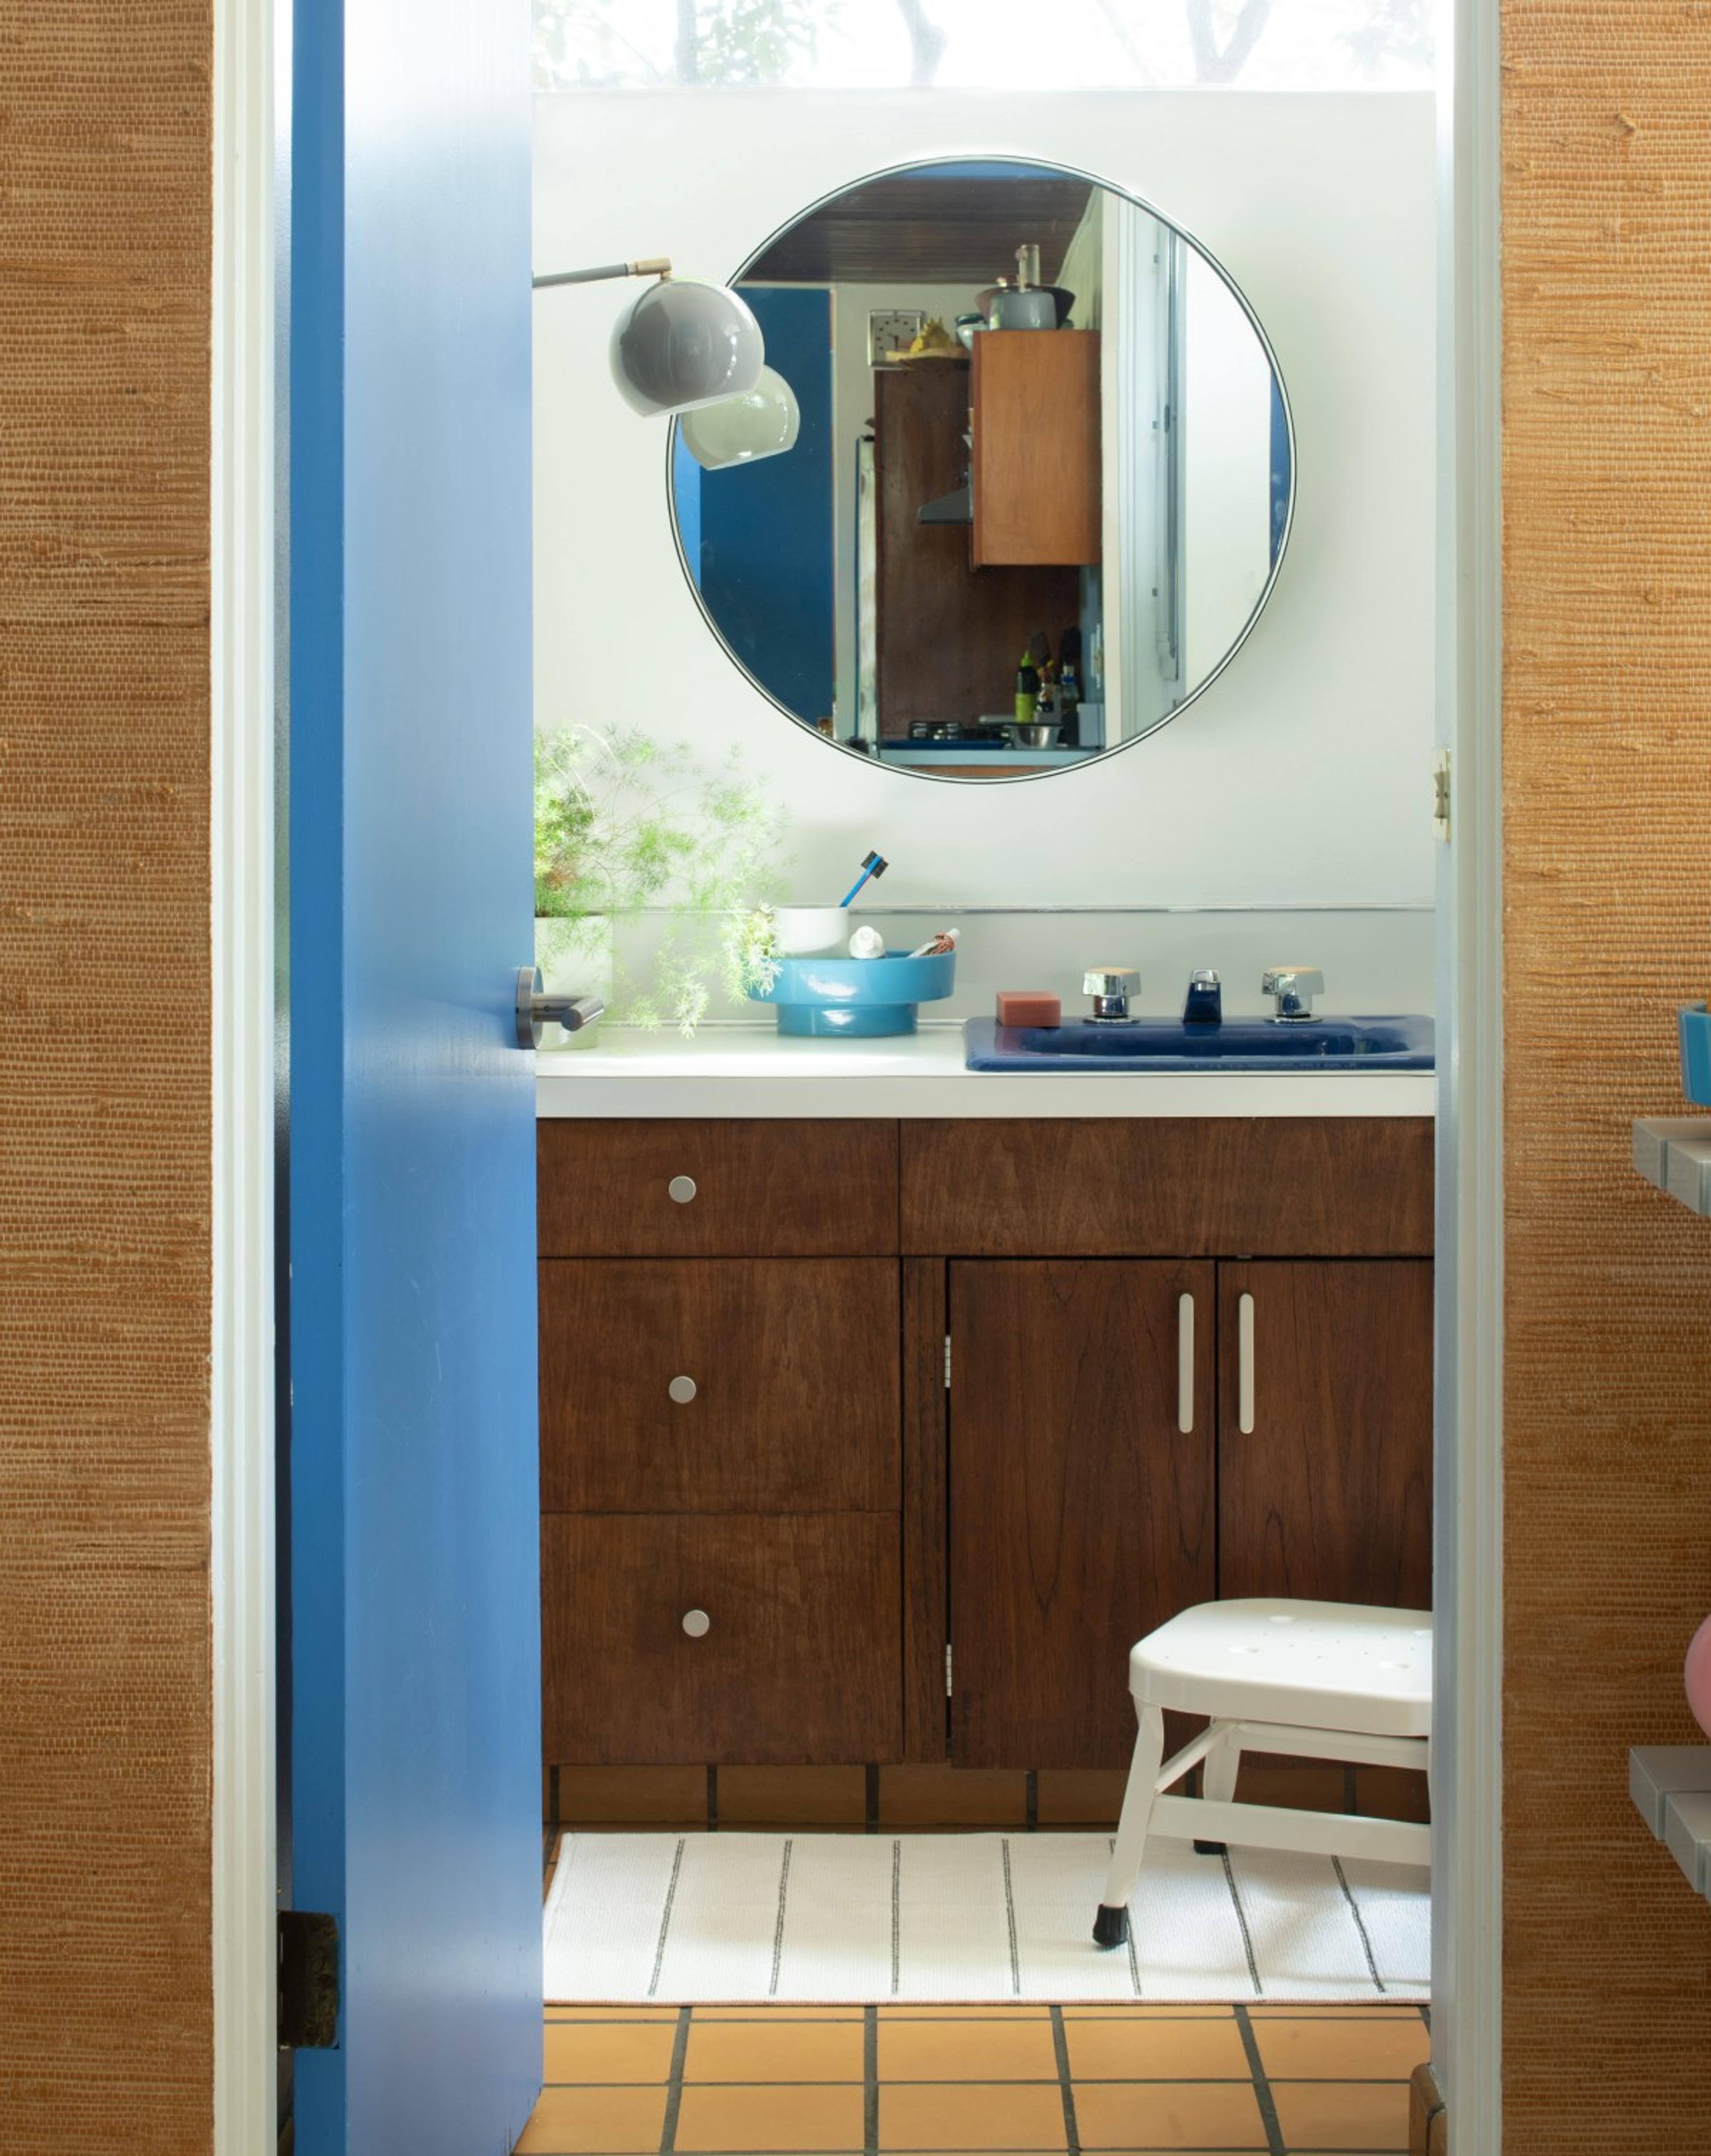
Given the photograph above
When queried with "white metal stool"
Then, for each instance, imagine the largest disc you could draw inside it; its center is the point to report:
(1318, 1679)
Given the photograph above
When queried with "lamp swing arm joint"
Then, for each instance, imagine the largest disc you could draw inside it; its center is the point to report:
(652, 265)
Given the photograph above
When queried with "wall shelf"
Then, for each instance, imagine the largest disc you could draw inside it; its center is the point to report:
(1674, 1152)
(1671, 1787)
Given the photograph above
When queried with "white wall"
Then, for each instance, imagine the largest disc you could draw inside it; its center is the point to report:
(1299, 780)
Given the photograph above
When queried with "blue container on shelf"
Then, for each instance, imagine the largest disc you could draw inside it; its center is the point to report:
(856, 998)
(1695, 1021)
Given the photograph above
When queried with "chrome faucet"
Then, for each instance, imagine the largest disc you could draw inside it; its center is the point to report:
(1205, 1005)
(1110, 988)
(1293, 988)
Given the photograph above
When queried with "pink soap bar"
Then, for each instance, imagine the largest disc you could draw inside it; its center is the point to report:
(1028, 1006)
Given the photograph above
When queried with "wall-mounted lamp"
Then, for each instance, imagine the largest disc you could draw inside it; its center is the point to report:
(681, 345)
(741, 430)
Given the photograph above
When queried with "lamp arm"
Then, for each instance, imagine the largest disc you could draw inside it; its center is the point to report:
(653, 266)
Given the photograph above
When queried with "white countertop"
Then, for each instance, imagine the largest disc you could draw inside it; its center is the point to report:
(747, 1070)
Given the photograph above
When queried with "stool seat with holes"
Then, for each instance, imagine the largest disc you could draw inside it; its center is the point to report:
(1313, 1680)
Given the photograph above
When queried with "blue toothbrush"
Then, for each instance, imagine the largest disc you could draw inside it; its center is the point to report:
(873, 865)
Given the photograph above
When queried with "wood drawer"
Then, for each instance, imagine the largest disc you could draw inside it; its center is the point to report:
(1212, 1186)
(794, 1363)
(766, 1189)
(801, 1664)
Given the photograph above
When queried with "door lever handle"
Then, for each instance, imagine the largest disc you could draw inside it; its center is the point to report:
(536, 1009)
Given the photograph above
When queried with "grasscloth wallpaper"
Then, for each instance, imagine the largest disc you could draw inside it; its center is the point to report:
(105, 234)
(1607, 278)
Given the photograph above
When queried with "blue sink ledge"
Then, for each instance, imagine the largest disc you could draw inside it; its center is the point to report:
(1330, 1043)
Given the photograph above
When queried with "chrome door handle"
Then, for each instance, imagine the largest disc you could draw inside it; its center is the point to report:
(536, 1011)
(1184, 1363)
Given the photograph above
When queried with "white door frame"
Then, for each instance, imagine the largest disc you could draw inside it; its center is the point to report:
(1466, 1833)
(241, 875)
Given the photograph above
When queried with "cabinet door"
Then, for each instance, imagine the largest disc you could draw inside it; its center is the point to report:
(1327, 1496)
(1036, 470)
(1081, 1511)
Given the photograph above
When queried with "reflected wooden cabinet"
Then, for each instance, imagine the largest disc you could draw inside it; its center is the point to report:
(1035, 466)
(860, 1393)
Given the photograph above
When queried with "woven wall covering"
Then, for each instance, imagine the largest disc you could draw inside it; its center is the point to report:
(105, 2001)
(1606, 238)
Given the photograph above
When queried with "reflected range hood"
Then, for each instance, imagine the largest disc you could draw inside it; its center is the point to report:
(955, 508)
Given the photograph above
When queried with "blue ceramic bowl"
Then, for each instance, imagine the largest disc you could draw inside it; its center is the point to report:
(1695, 1021)
(856, 998)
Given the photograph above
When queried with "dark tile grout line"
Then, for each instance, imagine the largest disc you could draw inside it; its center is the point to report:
(1060, 2045)
(674, 2087)
(1262, 2087)
(870, 2081)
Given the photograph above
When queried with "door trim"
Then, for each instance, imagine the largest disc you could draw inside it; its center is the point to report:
(1467, 1529)
(241, 876)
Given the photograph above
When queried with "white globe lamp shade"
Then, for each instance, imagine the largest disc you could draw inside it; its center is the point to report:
(741, 430)
(682, 345)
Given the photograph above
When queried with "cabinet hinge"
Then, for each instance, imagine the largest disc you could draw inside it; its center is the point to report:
(309, 1980)
(1441, 796)
(947, 1361)
(947, 1669)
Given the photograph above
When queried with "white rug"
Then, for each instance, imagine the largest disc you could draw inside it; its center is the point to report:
(851, 1918)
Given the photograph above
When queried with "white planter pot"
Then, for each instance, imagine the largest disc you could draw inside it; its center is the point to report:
(576, 959)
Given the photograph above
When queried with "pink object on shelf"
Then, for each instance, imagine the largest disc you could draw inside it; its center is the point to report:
(1696, 1676)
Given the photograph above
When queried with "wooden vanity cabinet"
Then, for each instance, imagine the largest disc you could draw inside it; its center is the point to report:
(965, 1385)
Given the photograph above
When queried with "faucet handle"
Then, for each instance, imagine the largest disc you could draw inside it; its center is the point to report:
(1110, 988)
(1294, 987)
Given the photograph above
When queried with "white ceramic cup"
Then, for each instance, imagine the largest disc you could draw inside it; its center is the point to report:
(811, 932)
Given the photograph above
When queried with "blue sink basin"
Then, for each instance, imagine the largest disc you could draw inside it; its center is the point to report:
(1239, 1044)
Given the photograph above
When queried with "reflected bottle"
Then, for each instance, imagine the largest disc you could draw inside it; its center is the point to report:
(1027, 688)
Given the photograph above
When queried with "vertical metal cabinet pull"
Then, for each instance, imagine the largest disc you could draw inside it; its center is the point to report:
(1244, 1365)
(1184, 1363)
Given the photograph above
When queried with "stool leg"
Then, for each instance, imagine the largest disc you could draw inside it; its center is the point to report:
(1217, 1783)
(1111, 1925)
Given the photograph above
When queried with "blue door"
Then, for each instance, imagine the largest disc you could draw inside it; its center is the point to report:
(414, 1555)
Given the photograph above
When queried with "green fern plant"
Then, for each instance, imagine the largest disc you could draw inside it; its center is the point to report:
(625, 825)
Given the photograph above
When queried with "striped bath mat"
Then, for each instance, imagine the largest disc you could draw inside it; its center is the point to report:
(850, 1918)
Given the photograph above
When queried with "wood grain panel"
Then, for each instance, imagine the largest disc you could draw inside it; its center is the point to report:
(795, 1366)
(763, 1190)
(949, 639)
(1081, 1515)
(925, 1497)
(1328, 1496)
(1036, 462)
(1310, 1187)
(801, 1666)
(106, 1982)
(1606, 730)
(911, 229)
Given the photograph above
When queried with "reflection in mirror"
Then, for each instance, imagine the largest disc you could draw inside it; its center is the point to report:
(1041, 483)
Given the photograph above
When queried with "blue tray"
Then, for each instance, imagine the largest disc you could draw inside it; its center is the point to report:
(1693, 1021)
(856, 998)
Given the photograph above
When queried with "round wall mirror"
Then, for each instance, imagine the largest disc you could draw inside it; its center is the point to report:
(1018, 482)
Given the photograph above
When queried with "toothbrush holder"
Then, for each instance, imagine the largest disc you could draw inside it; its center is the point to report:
(856, 998)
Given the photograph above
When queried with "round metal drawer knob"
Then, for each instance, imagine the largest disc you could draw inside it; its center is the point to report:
(682, 1390)
(680, 1190)
(697, 1623)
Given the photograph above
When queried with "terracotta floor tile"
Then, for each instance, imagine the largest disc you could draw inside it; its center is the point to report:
(952, 1796)
(792, 1796)
(567, 2120)
(1379, 2010)
(609, 2050)
(902, 2013)
(989, 2117)
(1143, 2011)
(1343, 2050)
(1167, 2115)
(633, 1796)
(973, 2050)
(613, 2014)
(1157, 2050)
(777, 2050)
(756, 2122)
(1326, 2115)
(714, 2015)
